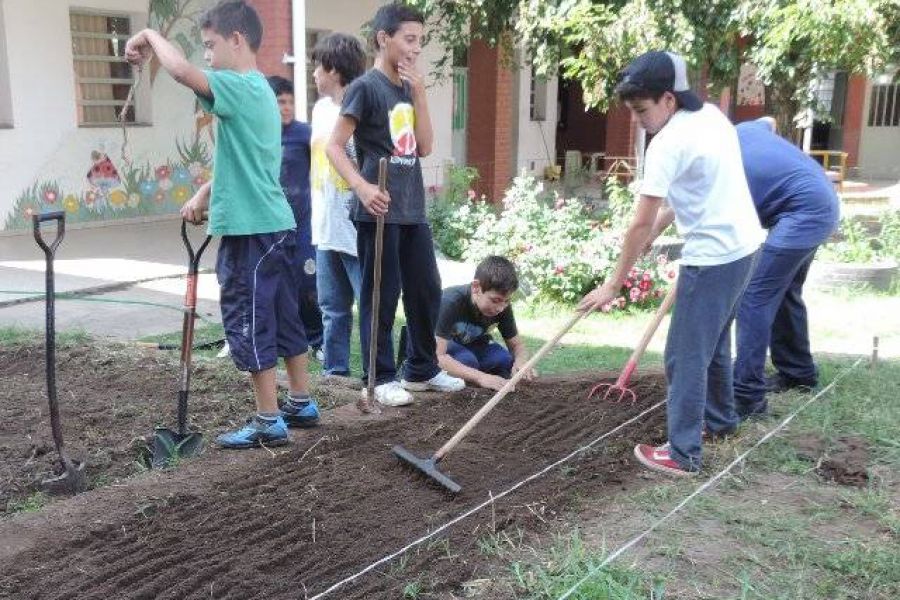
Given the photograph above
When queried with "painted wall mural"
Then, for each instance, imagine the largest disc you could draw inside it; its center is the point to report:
(113, 187)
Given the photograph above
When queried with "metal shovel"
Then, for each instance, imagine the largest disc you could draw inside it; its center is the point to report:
(169, 446)
(72, 479)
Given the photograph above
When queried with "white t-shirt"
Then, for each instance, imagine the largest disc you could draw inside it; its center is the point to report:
(331, 196)
(694, 162)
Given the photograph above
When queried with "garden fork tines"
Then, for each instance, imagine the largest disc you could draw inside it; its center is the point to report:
(619, 390)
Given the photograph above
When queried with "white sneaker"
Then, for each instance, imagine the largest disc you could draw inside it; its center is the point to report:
(442, 382)
(391, 394)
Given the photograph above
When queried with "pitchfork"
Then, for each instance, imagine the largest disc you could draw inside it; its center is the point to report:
(619, 391)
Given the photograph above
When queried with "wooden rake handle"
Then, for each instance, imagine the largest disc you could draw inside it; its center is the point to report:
(477, 417)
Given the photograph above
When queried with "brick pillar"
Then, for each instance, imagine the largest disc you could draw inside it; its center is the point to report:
(620, 131)
(276, 20)
(854, 109)
(489, 133)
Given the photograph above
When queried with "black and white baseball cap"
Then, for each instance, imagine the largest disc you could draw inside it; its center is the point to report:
(659, 71)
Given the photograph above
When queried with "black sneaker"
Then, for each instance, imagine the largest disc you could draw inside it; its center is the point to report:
(760, 409)
(300, 414)
(776, 384)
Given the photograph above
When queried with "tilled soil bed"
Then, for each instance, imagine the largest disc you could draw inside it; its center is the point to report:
(288, 523)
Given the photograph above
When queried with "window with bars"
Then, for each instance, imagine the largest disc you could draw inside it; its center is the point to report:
(884, 105)
(537, 102)
(102, 76)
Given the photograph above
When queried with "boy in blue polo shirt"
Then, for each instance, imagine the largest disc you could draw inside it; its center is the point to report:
(248, 209)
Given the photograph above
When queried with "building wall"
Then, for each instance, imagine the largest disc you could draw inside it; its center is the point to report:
(348, 16)
(533, 151)
(879, 147)
(45, 156)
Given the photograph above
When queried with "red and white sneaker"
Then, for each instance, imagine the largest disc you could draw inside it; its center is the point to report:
(658, 459)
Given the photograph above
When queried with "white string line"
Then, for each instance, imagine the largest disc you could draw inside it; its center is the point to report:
(487, 502)
(622, 549)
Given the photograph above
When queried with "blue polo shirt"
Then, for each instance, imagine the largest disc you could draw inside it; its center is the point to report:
(793, 197)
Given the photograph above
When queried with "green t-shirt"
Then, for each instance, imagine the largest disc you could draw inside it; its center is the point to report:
(246, 193)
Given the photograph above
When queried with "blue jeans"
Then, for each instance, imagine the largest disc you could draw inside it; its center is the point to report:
(488, 357)
(772, 312)
(337, 282)
(698, 356)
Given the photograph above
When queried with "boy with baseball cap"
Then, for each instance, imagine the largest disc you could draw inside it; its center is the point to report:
(693, 176)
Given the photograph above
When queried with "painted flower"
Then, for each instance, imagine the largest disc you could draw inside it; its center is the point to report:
(160, 196)
(181, 193)
(28, 212)
(117, 198)
(70, 203)
(90, 198)
(50, 196)
(147, 187)
(165, 184)
(163, 172)
(181, 176)
(206, 174)
(199, 180)
(134, 199)
(195, 169)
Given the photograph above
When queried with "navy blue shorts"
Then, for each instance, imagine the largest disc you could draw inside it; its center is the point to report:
(258, 298)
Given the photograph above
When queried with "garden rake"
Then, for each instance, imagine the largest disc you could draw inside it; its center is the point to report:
(429, 466)
(619, 391)
(168, 445)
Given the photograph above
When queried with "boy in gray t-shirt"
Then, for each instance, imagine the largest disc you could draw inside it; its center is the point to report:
(386, 111)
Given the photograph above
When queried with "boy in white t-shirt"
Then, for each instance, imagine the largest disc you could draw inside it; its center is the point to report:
(693, 164)
(339, 59)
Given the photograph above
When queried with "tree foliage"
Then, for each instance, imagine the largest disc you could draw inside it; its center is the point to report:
(791, 42)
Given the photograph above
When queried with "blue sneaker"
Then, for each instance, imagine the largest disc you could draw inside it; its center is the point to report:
(300, 414)
(256, 433)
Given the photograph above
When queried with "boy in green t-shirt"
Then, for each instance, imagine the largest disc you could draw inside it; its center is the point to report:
(248, 209)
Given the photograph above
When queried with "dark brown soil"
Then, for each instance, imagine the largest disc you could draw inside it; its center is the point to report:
(844, 462)
(260, 524)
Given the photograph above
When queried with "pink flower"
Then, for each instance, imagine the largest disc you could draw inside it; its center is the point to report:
(645, 285)
(198, 180)
(163, 172)
(471, 195)
(662, 259)
(657, 293)
(560, 203)
(627, 283)
(50, 196)
(28, 212)
(559, 270)
(606, 307)
(670, 274)
(634, 294)
(646, 276)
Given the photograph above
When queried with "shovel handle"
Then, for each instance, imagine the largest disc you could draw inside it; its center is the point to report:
(490, 404)
(60, 217)
(193, 254)
(376, 286)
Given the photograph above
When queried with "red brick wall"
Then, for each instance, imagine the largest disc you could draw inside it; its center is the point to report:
(748, 112)
(854, 110)
(276, 19)
(619, 132)
(489, 134)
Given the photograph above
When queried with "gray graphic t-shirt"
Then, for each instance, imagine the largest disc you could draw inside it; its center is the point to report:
(385, 127)
(461, 321)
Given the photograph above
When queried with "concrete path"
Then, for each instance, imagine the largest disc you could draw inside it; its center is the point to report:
(132, 275)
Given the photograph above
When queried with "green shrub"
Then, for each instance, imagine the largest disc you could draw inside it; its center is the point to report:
(561, 251)
(456, 211)
(857, 244)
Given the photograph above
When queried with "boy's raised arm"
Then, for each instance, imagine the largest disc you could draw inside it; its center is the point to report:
(139, 46)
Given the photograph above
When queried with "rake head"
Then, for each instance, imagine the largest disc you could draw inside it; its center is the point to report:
(427, 467)
(612, 392)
